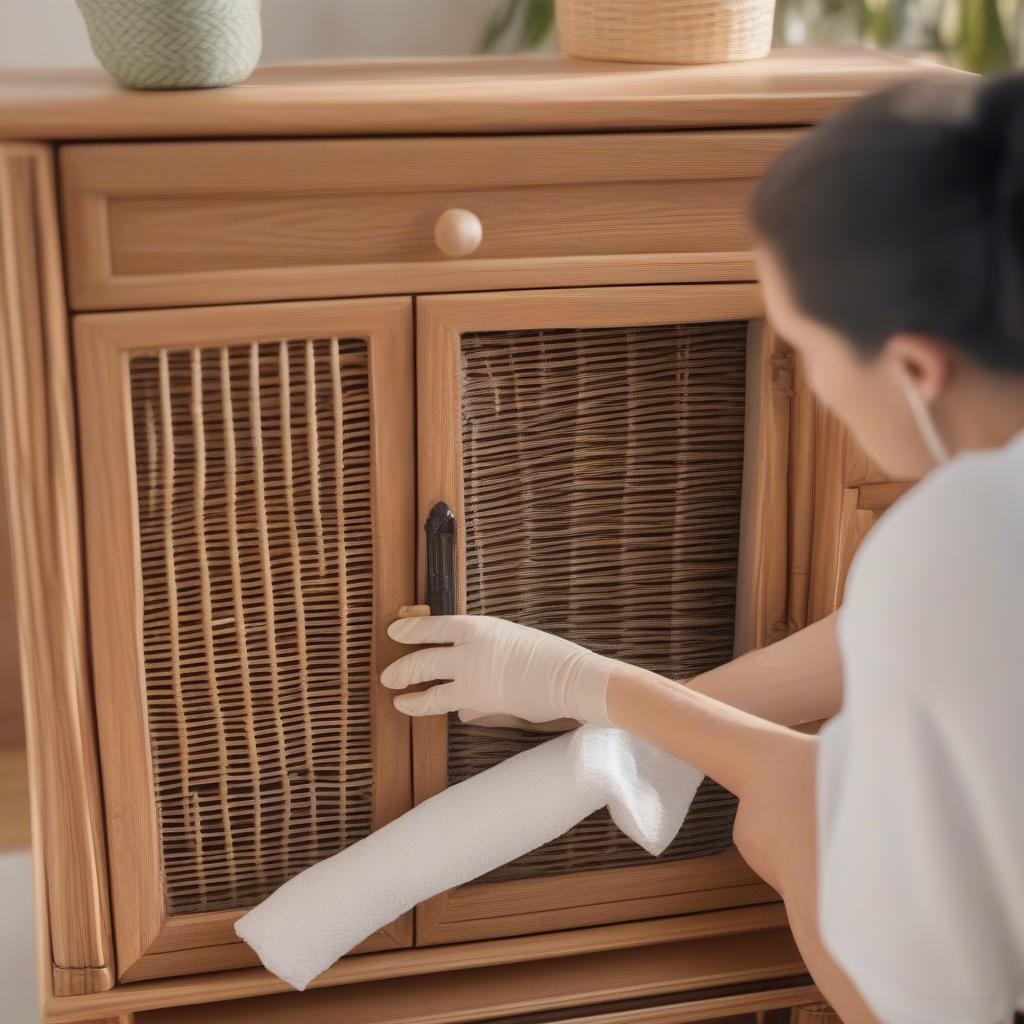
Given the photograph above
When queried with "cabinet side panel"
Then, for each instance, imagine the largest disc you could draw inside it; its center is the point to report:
(36, 406)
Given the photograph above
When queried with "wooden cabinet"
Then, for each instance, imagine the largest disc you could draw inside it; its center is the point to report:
(248, 513)
(590, 443)
(240, 360)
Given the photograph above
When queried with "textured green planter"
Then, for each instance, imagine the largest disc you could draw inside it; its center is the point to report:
(175, 44)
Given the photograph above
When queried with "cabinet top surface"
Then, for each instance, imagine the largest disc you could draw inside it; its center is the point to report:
(451, 96)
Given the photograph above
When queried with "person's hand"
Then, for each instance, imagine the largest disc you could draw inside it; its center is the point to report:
(497, 668)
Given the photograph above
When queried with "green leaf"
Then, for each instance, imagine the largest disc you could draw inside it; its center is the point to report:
(499, 24)
(983, 45)
(537, 23)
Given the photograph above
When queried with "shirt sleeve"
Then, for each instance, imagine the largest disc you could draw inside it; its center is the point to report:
(909, 802)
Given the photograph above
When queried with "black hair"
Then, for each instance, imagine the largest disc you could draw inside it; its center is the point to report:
(906, 213)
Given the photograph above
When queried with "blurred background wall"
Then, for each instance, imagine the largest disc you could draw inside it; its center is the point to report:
(51, 32)
(978, 34)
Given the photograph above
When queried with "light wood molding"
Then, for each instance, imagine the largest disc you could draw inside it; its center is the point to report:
(453, 96)
(40, 463)
(550, 987)
(814, 1013)
(449, 316)
(849, 494)
(859, 510)
(878, 496)
(79, 981)
(801, 495)
(172, 223)
(12, 721)
(762, 592)
(407, 963)
(488, 910)
(195, 944)
(147, 936)
(683, 1008)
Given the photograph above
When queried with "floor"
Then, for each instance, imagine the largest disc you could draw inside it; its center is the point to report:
(17, 945)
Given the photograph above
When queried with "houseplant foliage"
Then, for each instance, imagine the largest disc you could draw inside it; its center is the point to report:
(527, 23)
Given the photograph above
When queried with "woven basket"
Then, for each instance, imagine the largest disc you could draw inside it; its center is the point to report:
(175, 44)
(665, 31)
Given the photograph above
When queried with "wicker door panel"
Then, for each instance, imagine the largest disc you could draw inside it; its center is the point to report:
(602, 477)
(593, 446)
(245, 451)
(257, 609)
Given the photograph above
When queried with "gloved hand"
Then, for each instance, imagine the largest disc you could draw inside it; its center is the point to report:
(497, 667)
(492, 721)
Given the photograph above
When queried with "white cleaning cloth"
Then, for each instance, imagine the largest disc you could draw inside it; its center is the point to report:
(464, 832)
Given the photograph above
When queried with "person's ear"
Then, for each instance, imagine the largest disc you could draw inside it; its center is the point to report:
(922, 359)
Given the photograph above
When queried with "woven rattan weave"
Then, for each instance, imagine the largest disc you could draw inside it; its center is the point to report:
(666, 31)
(602, 479)
(253, 476)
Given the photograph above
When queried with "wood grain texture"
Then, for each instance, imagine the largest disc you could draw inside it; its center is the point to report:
(408, 963)
(12, 720)
(548, 987)
(803, 407)
(489, 910)
(814, 1013)
(758, 1006)
(762, 591)
(186, 223)
(126, 627)
(849, 494)
(450, 96)
(40, 468)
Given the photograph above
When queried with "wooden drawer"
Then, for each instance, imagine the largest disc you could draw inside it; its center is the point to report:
(203, 222)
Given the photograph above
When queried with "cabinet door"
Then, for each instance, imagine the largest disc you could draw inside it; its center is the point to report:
(616, 460)
(248, 481)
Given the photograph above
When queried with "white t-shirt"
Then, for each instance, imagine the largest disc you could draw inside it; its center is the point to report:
(920, 777)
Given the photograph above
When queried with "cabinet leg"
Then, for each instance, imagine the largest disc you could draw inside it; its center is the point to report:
(814, 1013)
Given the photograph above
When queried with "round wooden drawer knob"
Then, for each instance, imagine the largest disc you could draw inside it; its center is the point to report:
(458, 232)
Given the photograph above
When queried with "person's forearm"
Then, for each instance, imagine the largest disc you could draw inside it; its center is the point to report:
(771, 769)
(729, 744)
(792, 682)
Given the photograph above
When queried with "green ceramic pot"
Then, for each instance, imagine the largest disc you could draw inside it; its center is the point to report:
(175, 44)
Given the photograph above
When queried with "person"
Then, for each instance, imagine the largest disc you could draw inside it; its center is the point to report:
(890, 248)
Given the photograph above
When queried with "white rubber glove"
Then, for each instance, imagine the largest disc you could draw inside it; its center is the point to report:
(497, 668)
(489, 721)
